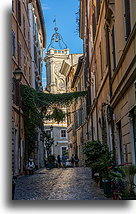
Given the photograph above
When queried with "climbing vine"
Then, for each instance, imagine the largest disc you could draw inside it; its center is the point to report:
(35, 107)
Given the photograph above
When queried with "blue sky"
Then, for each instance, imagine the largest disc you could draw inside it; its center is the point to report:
(64, 10)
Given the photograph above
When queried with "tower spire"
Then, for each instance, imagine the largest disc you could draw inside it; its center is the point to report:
(54, 21)
(57, 38)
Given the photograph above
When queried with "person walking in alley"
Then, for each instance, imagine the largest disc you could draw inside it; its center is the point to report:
(72, 160)
(64, 160)
(30, 166)
(76, 160)
(58, 161)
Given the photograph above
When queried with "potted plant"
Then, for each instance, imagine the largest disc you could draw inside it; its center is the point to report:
(50, 161)
(99, 159)
(129, 173)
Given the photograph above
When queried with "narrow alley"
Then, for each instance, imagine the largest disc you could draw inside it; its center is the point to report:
(58, 184)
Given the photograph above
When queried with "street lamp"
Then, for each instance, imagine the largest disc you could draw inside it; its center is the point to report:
(18, 76)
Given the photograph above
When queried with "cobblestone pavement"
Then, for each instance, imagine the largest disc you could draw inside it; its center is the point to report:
(58, 184)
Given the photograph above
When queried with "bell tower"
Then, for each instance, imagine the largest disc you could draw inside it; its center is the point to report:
(56, 57)
(57, 51)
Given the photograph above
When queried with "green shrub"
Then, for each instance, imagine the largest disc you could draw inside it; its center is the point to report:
(98, 157)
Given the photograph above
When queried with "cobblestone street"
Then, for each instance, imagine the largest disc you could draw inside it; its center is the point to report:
(58, 184)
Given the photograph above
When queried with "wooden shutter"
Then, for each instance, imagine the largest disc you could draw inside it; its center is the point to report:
(113, 48)
(101, 61)
(19, 12)
(93, 25)
(98, 3)
(88, 100)
(107, 45)
(13, 43)
(16, 94)
(12, 5)
(24, 25)
(19, 53)
(127, 18)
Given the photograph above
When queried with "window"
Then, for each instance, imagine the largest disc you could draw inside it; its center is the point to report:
(29, 40)
(88, 100)
(101, 62)
(19, 12)
(107, 45)
(80, 116)
(24, 65)
(113, 48)
(16, 96)
(121, 153)
(13, 44)
(63, 133)
(29, 74)
(19, 53)
(93, 25)
(98, 4)
(39, 64)
(12, 5)
(127, 18)
(64, 151)
(24, 27)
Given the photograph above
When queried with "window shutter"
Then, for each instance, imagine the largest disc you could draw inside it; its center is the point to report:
(113, 48)
(13, 43)
(107, 45)
(13, 90)
(24, 26)
(88, 100)
(93, 25)
(98, 3)
(16, 96)
(127, 18)
(19, 12)
(19, 53)
(12, 5)
(101, 62)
